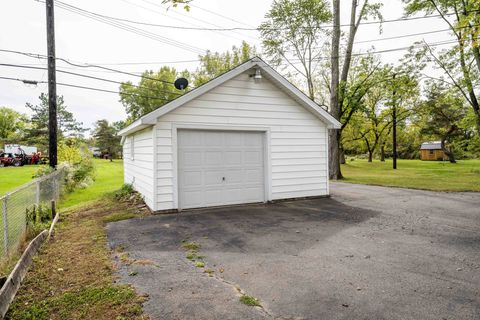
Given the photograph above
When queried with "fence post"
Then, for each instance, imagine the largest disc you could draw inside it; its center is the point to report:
(37, 193)
(5, 225)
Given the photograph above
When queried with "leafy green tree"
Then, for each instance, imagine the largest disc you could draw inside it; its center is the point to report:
(154, 90)
(214, 64)
(461, 63)
(293, 30)
(442, 113)
(37, 132)
(12, 125)
(106, 138)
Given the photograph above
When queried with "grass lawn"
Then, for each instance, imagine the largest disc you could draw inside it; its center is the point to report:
(416, 174)
(73, 276)
(108, 178)
(13, 177)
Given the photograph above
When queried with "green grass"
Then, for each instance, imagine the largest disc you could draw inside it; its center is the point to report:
(108, 178)
(416, 174)
(13, 177)
(249, 300)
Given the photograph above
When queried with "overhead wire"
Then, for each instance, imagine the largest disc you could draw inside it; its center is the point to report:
(86, 76)
(126, 27)
(86, 65)
(402, 19)
(35, 82)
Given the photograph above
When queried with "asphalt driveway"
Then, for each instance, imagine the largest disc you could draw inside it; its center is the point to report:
(365, 253)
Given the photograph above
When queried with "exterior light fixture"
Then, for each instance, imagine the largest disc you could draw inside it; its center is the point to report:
(257, 77)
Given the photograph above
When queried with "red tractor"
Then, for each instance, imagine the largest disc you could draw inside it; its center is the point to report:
(8, 159)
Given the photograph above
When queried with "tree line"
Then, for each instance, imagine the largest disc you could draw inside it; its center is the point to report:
(18, 128)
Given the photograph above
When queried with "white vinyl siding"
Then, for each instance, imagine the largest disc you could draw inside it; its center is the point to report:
(138, 167)
(298, 139)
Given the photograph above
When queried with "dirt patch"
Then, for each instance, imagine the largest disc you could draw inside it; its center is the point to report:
(72, 277)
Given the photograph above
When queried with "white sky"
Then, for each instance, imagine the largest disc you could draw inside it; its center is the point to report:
(84, 40)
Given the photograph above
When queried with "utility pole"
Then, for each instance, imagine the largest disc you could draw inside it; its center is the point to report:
(394, 123)
(52, 86)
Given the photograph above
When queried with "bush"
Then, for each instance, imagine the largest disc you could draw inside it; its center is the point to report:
(70, 154)
(80, 174)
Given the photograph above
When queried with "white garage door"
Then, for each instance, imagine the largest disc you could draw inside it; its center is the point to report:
(220, 168)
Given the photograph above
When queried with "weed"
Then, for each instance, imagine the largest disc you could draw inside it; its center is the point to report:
(124, 192)
(191, 246)
(209, 271)
(250, 301)
(133, 273)
(191, 256)
(199, 264)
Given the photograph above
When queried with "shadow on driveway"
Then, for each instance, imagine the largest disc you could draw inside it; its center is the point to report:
(366, 253)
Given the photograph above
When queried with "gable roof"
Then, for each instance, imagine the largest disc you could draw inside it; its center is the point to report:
(268, 72)
(431, 145)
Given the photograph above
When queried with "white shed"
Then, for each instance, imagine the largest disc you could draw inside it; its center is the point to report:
(239, 138)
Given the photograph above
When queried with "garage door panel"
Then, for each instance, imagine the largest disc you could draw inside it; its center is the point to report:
(212, 197)
(233, 139)
(190, 158)
(254, 175)
(213, 158)
(189, 139)
(253, 140)
(253, 156)
(236, 156)
(212, 139)
(192, 199)
(191, 179)
(234, 176)
(233, 158)
(213, 177)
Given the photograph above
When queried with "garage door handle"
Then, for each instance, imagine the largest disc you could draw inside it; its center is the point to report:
(223, 179)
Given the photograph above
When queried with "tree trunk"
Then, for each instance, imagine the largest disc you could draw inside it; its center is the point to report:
(370, 151)
(382, 152)
(334, 135)
(448, 152)
(342, 156)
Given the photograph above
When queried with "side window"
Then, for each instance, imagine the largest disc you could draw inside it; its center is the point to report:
(431, 151)
(132, 147)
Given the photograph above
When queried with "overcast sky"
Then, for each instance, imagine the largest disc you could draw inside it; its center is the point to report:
(84, 40)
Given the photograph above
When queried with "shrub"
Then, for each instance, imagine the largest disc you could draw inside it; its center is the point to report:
(80, 174)
(70, 154)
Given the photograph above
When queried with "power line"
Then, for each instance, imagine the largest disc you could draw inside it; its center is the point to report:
(197, 19)
(86, 76)
(243, 28)
(40, 56)
(219, 14)
(165, 15)
(128, 28)
(35, 82)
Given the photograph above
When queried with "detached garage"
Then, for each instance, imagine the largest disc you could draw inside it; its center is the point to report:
(246, 136)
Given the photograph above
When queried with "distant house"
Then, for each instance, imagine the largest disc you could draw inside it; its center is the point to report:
(432, 151)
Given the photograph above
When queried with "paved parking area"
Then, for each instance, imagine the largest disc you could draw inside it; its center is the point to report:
(365, 253)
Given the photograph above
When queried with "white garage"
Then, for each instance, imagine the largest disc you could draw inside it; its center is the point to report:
(246, 136)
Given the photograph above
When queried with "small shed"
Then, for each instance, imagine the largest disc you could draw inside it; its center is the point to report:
(432, 151)
(246, 136)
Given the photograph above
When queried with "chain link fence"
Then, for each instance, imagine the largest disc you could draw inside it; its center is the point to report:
(14, 206)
